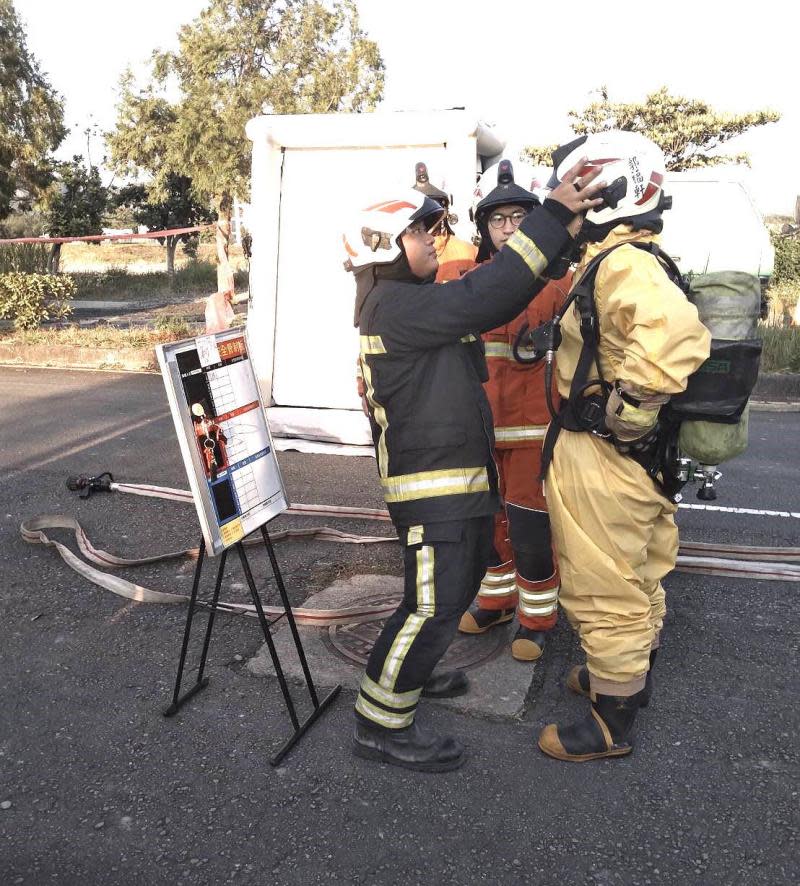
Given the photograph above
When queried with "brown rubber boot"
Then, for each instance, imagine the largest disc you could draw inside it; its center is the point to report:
(605, 733)
(578, 680)
(528, 645)
(479, 621)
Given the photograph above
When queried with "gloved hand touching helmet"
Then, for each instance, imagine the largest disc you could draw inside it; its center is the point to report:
(632, 413)
(576, 195)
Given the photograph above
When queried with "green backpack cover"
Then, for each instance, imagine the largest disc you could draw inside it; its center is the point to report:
(713, 410)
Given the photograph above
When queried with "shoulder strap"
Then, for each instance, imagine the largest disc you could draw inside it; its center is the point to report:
(583, 295)
(667, 262)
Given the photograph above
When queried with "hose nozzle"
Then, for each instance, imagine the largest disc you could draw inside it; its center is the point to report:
(85, 486)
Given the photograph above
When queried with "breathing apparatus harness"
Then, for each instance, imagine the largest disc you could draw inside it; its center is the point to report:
(657, 452)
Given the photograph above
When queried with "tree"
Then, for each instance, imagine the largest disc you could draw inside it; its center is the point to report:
(31, 118)
(687, 130)
(238, 59)
(76, 205)
(179, 209)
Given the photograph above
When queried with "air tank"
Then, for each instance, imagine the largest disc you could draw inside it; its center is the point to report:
(714, 405)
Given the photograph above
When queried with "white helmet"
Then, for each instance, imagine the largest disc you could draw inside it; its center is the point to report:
(633, 168)
(373, 238)
(540, 178)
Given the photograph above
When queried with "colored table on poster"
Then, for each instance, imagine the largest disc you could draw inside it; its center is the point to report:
(223, 434)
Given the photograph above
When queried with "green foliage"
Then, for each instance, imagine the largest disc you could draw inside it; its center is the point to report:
(31, 117)
(239, 59)
(787, 259)
(781, 351)
(30, 299)
(23, 258)
(190, 244)
(173, 328)
(24, 224)
(79, 202)
(539, 155)
(687, 130)
(177, 209)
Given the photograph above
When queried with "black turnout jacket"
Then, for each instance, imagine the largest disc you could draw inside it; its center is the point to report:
(423, 365)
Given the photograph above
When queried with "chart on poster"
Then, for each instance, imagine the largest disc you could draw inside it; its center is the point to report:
(223, 434)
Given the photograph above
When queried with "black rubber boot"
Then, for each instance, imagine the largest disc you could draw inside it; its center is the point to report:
(605, 733)
(528, 645)
(411, 748)
(478, 621)
(446, 684)
(578, 681)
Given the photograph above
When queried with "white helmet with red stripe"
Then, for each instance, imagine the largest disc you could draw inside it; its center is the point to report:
(633, 167)
(374, 236)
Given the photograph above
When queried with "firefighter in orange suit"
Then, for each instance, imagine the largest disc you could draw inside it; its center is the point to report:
(524, 574)
(455, 256)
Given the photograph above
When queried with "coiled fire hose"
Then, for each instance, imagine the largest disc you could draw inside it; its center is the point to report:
(758, 563)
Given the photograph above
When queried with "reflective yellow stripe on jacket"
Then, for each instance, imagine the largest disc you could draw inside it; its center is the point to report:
(373, 344)
(430, 484)
(528, 251)
(524, 432)
(498, 350)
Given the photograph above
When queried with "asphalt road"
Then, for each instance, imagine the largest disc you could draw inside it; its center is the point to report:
(97, 787)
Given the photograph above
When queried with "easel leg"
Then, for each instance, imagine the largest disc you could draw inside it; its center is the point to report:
(173, 708)
(290, 616)
(319, 707)
(202, 682)
(211, 614)
(268, 637)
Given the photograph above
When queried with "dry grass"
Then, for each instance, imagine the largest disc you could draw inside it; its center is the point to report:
(105, 336)
(781, 351)
(137, 257)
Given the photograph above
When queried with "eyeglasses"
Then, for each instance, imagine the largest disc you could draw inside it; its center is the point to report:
(419, 227)
(499, 219)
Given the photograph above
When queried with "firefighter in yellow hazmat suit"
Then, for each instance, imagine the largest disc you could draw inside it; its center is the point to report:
(613, 526)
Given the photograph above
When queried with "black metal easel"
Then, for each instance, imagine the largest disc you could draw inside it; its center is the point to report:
(179, 700)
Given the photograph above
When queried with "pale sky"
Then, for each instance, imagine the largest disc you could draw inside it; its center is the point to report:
(521, 64)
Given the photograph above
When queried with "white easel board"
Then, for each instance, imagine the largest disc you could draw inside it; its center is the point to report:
(223, 435)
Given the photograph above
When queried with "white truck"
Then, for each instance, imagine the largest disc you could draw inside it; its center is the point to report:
(311, 171)
(714, 224)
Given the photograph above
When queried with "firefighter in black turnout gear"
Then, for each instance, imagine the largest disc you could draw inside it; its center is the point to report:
(423, 367)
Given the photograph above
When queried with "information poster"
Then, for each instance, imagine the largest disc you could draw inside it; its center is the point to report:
(223, 435)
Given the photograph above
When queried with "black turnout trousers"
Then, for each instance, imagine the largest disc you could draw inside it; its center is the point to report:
(444, 565)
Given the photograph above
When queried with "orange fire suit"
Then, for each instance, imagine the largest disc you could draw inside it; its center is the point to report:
(456, 257)
(525, 575)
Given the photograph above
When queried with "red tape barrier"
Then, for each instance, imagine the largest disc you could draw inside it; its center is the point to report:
(150, 235)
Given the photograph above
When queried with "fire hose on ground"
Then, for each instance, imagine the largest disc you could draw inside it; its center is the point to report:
(732, 561)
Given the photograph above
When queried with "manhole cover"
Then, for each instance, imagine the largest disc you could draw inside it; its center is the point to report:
(355, 642)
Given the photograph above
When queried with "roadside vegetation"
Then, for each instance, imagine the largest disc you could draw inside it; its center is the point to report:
(104, 335)
(781, 351)
(133, 271)
(784, 289)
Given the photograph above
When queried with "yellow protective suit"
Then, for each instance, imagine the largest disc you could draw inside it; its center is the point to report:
(614, 531)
